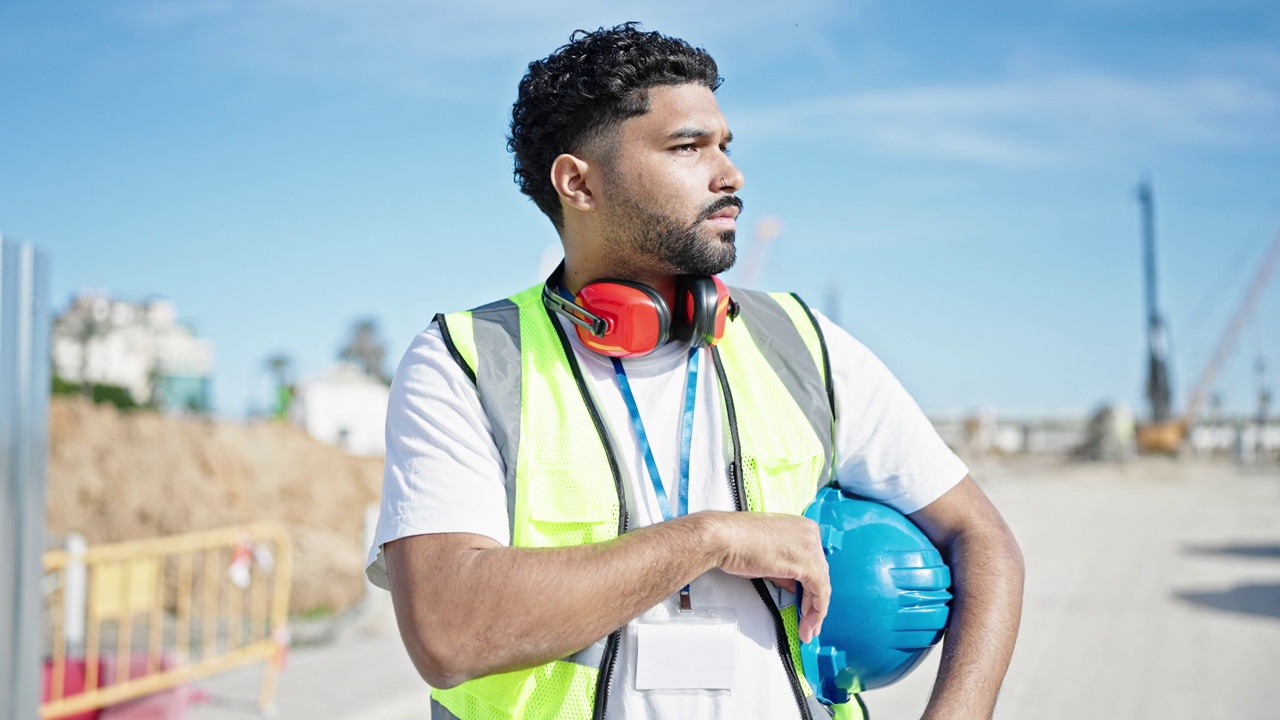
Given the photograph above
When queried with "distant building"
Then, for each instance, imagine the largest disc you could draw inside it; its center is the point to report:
(138, 346)
(346, 407)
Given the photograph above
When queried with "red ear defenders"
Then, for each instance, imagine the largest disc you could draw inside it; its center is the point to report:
(622, 319)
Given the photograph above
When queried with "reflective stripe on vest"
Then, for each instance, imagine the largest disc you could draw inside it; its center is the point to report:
(562, 481)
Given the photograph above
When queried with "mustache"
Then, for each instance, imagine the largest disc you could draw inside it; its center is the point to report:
(723, 203)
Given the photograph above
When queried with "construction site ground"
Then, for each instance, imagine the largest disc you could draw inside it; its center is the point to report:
(1153, 591)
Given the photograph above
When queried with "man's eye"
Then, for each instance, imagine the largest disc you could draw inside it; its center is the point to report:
(685, 149)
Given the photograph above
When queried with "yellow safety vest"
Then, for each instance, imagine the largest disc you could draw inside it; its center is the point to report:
(564, 487)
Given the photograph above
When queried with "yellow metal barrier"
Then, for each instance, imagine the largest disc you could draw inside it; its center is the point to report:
(165, 611)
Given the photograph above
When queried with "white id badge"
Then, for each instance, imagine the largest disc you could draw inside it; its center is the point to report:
(686, 651)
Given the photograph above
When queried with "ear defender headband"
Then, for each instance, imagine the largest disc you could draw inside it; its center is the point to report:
(623, 319)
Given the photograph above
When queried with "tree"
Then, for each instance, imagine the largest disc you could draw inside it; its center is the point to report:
(90, 328)
(366, 349)
(280, 366)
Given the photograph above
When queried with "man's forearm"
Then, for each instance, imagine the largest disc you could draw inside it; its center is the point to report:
(468, 607)
(484, 611)
(987, 579)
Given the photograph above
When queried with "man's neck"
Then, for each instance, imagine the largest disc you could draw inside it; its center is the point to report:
(576, 275)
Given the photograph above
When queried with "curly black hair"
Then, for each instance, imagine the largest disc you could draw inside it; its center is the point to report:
(586, 87)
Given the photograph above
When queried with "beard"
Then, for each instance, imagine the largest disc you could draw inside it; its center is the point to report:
(656, 241)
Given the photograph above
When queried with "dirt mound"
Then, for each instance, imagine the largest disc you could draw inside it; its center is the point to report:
(120, 476)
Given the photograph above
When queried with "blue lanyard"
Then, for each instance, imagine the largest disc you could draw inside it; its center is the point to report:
(686, 447)
(686, 436)
(686, 443)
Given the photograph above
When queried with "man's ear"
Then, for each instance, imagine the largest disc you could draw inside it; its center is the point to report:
(569, 175)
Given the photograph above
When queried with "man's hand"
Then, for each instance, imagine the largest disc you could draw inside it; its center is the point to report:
(468, 607)
(785, 549)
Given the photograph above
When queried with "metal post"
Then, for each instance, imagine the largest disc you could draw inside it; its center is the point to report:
(24, 401)
(75, 593)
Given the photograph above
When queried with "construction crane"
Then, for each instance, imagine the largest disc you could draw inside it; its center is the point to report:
(1158, 391)
(1166, 435)
(766, 230)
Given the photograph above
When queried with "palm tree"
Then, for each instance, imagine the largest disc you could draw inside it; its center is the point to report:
(366, 349)
(280, 366)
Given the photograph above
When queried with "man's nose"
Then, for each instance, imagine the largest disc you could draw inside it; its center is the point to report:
(729, 180)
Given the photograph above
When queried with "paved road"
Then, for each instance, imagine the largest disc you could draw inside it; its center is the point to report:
(1153, 591)
(365, 675)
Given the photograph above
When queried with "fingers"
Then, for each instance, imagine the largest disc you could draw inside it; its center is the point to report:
(815, 601)
(786, 549)
(817, 592)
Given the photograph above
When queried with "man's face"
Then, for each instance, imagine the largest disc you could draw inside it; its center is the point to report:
(668, 200)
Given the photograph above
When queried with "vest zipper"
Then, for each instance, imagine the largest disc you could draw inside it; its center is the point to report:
(604, 676)
(736, 484)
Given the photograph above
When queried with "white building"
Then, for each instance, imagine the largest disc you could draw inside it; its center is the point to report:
(346, 408)
(139, 346)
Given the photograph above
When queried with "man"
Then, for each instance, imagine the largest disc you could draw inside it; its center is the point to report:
(563, 528)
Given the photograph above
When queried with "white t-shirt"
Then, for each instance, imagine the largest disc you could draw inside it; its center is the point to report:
(444, 474)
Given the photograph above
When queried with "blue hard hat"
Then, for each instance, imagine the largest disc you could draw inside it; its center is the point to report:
(888, 597)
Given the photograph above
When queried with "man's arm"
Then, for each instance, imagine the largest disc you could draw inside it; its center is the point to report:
(468, 607)
(987, 575)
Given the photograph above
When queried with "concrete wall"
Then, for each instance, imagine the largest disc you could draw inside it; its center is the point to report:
(345, 408)
(988, 435)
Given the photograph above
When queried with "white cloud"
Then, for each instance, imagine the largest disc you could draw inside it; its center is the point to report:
(1035, 122)
(1061, 114)
(421, 44)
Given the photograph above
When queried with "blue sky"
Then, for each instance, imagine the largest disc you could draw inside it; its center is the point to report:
(961, 173)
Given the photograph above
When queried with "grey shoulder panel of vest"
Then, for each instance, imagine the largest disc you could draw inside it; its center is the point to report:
(763, 311)
(757, 298)
(826, 356)
(453, 348)
(735, 292)
(503, 305)
(440, 712)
